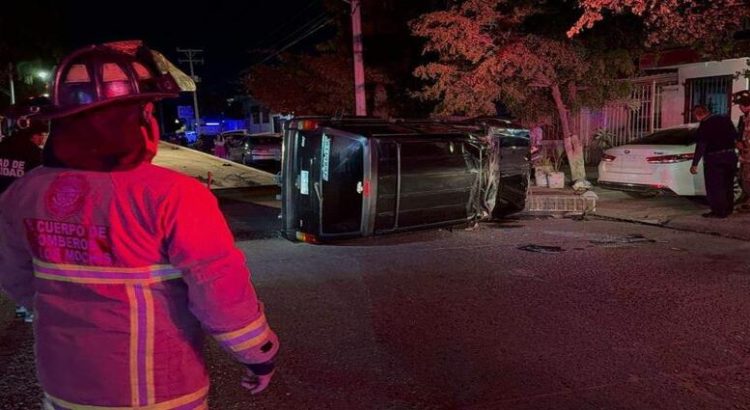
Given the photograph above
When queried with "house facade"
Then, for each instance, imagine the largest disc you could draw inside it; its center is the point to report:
(661, 97)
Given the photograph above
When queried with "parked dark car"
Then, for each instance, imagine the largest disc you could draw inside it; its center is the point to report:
(365, 176)
(250, 149)
(262, 147)
(204, 143)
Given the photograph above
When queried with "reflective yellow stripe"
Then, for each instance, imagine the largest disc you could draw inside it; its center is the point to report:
(134, 399)
(167, 405)
(252, 342)
(249, 328)
(149, 297)
(99, 281)
(105, 275)
(70, 267)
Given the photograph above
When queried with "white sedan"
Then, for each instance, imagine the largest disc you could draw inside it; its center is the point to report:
(655, 163)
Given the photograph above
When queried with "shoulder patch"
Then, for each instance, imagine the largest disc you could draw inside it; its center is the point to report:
(66, 195)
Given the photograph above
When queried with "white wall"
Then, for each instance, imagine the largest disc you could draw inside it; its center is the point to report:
(673, 109)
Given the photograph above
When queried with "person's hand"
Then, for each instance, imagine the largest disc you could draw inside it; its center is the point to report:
(256, 383)
(693, 170)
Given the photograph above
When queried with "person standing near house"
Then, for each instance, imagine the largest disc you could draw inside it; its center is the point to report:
(715, 145)
(536, 136)
(112, 251)
(220, 146)
(742, 99)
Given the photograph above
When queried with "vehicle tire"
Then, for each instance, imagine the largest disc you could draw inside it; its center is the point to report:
(643, 194)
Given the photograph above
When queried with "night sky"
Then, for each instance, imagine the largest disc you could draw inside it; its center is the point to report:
(233, 34)
(227, 30)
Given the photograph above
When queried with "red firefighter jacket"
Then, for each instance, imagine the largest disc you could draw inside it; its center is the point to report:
(125, 270)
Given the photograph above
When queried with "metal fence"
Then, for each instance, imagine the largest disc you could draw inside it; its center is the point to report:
(713, 92)
(620, 122)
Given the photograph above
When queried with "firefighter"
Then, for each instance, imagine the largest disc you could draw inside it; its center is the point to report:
(114, 253)
(20, 152)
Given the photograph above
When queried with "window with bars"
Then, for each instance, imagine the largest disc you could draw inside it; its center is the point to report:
(713, 92)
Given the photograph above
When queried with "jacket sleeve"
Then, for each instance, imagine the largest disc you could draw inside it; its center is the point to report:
(16, 269)
(700, 144)
(220, 293)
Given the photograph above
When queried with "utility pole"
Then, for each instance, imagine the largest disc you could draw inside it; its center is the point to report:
(359, 67)
(191, 59)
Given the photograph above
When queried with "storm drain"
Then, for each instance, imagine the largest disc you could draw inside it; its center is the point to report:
(541, 248)
(623, 240)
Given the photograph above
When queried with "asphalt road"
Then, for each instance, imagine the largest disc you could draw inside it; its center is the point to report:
(610, 316)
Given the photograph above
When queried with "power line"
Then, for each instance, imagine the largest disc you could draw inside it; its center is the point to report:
(312, 23)
(288, 22)
(297, 40)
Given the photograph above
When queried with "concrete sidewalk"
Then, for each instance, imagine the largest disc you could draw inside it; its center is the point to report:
(670, 211)
(666, 210)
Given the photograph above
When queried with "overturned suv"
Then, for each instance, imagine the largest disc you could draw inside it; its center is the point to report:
(351, 177)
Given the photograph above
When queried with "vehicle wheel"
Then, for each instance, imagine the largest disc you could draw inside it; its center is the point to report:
(738, 193)
(644, 194)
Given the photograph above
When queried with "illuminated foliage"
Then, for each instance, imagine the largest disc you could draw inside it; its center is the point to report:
(308, 84)
(484, 53)
(704, 23)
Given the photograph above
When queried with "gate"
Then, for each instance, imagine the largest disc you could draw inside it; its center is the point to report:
(713, 92)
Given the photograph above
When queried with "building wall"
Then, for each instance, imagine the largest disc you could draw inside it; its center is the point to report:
(673, 105)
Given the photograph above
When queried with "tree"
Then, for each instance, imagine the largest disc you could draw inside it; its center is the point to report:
(303, 84)
(309, 84)
(708, 24)
(486, 52)
(320, 81)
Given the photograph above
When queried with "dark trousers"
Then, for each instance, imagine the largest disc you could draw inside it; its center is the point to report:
(719, 171)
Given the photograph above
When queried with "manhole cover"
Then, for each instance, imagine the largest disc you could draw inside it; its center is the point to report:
(623, 240)
(541, 248)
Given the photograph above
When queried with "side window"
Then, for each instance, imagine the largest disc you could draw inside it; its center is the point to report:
(507, 142)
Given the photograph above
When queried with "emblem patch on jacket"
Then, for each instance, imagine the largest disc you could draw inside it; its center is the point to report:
(66, 195)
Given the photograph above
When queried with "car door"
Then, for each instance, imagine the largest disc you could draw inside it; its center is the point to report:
(340, 185)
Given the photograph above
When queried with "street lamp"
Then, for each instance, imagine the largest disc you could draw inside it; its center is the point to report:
(43, 75)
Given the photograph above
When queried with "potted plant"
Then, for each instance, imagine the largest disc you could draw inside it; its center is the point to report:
(542, 168)
(556, 178)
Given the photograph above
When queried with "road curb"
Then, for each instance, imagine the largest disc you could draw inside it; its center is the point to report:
(670, 225)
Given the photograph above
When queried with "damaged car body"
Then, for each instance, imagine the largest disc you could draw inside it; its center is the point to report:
(353, 177)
